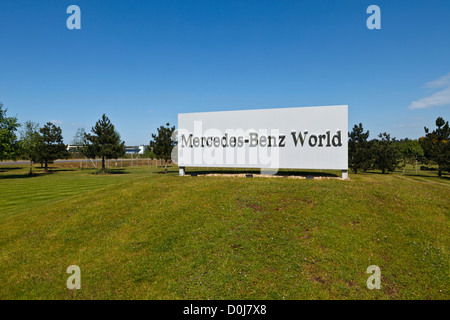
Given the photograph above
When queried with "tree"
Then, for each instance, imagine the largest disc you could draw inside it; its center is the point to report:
(359, 157)
(8, 139)
(162, 144)
(436, 145)
(78, 141)
(386, 154)
(104, 142)
(30, 143)
(148, 152)
(411, 151)
(78, 138)
(52, 146)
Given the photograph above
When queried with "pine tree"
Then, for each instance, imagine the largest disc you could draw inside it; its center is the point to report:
(8, 139)
(386, 153)
(104, 142)
(436, 145)
(52, 146)
(162, 143)
(359, 157)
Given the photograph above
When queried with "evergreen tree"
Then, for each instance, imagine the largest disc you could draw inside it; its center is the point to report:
(436, 145)
(104, 142)
(359, 157)
(8, 139)
(385, 153)
(162, 143)
(52, 146)
(30, 143)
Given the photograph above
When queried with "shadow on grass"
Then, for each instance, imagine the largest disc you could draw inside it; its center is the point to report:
(379, 173)
(111, 171)
(20, 176)
(168, 172)
(37, 172)
(6, 169)
(282, 173)
(56, 169)
(424, 176)
(444, 176)
(160, 170)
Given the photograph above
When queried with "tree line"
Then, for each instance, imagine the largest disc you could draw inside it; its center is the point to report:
(387, 154)
(45, 144)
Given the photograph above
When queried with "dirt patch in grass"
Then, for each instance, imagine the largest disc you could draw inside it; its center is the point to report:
(254, 206)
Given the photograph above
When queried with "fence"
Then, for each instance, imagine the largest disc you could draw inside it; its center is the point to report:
(120, 163)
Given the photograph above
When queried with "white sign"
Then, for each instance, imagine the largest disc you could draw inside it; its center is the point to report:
(289, 138)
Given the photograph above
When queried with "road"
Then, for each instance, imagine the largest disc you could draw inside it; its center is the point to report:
(9, 162)
(28, 162)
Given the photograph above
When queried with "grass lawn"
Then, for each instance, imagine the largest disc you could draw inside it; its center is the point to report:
(142, 235)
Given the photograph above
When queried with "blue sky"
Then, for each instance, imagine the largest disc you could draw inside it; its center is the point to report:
(143, 62)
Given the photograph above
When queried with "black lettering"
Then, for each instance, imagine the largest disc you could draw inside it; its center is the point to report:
(273, 140)
(263, 141)
(233, 142)
(321, 137)
(196, 141)
(253, 139)
(315, 141)
(225, 139)
(186, 142)
(299, 137)
(240, 141)
(216, 142)
(338, 137)
(282, 143)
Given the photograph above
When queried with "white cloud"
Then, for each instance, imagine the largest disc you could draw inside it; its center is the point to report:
(439, 98)
(442, 82)
(57, 122)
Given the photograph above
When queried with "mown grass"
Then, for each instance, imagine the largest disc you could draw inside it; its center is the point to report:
(20, 192)
(138, 235)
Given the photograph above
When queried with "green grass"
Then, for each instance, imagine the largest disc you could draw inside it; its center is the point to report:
(138, 235)
(21, 193)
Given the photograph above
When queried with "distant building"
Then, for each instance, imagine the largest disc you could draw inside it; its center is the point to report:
(135, 149)
(72, 148)
(128, 150)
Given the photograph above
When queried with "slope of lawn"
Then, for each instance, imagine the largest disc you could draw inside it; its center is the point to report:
(20, 193)
(141, 236)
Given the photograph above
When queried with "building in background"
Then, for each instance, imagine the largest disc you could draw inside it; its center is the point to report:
(129, 149)
(134, 149)
(72, 148)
